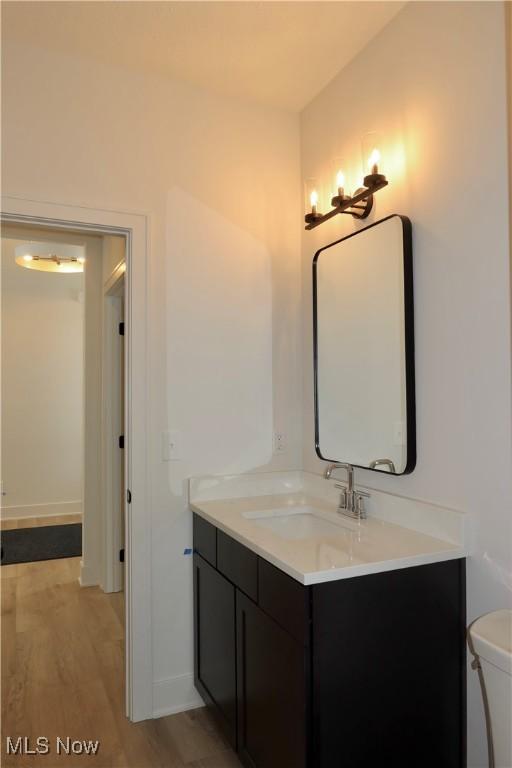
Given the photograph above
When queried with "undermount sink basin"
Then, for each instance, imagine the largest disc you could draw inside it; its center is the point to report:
(302, 522)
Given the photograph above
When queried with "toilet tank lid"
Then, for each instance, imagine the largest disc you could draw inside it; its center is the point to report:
(491, 639)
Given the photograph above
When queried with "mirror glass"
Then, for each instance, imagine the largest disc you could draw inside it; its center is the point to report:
(364, 348)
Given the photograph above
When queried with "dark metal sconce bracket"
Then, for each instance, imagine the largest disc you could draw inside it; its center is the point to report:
(358, 206)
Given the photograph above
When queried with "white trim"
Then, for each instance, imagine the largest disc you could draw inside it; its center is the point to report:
(92, 540)
(175, 694)
(117, 274)
(112, 427)
(88, 574)
(48, 509)
(135, 226)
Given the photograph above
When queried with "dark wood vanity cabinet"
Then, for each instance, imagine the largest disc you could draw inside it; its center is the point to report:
(356, 673)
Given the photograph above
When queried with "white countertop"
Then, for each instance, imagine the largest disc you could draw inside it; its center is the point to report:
(372, 545)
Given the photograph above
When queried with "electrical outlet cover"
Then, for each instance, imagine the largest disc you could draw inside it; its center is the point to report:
(279, 442)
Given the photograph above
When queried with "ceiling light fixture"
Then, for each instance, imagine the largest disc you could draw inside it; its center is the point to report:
(51, 257)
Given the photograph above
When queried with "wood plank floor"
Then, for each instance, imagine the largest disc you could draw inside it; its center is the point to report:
(62, 675)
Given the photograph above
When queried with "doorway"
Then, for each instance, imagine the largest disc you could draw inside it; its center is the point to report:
(42, 397)
(63, 364)
(64, 380)
(132, 228)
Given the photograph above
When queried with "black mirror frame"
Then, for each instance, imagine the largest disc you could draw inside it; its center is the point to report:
(410, 397)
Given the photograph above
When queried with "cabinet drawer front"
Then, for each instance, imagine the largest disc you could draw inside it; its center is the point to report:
(238, 564)
(205, 540)
(285, 600)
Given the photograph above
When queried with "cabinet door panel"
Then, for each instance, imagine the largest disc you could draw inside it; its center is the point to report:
(389, 669)
(271, 685)
(215, 655)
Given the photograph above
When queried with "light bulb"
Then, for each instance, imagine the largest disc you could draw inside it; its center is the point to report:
(338, 176)
(27, 257)
(372, 156)
(374, 160)
(311, 197)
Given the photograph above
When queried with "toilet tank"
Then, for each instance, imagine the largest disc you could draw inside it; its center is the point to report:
(490, 641)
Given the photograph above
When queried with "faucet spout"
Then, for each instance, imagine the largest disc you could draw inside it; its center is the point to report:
(329, 470)
(341, 465)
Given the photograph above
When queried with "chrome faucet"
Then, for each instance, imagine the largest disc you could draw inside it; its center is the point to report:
(351, 501)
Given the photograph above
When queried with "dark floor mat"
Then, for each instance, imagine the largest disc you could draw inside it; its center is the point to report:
(48, 542)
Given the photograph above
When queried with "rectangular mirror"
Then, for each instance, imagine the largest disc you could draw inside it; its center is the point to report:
(364, 348)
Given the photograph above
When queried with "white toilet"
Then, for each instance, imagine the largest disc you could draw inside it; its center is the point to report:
(490, 641)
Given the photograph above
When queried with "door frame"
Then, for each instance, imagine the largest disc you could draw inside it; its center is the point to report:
(135, 228)
(113, 425)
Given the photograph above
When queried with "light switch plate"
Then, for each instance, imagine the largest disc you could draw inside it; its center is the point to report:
(171, 445)
(175, 445)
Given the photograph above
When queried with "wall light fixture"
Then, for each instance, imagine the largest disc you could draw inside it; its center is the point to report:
(360, 203)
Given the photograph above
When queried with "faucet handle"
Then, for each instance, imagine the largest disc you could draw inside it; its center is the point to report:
(343, 497)
(360, 497)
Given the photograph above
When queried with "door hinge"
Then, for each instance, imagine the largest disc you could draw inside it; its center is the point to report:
(121, 329)
(129, 496)
(121, 555)
(121, 441)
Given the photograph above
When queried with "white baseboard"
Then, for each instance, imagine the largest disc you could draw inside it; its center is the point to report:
(88, 575)
(41, 510)
(175, 694)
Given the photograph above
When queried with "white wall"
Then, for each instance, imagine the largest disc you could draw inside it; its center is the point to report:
(42, 389)
(220, 179)
(434, 83)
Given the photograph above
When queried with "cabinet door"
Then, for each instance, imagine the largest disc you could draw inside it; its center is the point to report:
(214, 636)
(271, 686)
(389, 668)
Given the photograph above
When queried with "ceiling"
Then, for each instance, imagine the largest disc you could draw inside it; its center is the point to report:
(277, 53)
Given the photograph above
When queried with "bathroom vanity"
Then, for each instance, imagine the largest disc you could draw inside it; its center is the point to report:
(315, 651)
(330, 619)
